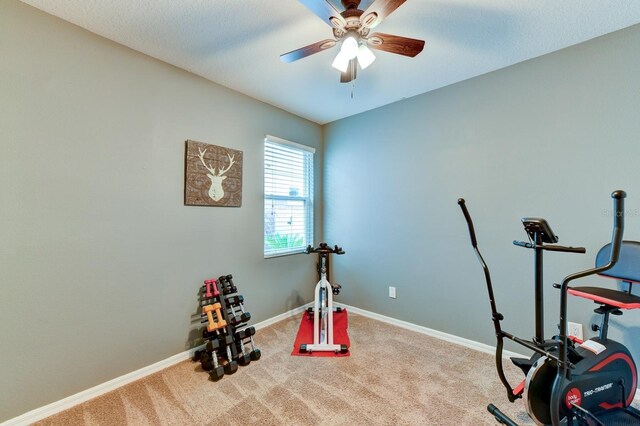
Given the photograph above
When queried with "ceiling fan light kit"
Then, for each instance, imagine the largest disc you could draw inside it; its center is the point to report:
(365, 56)
(349, 48)
(351, 28)
(341, 62)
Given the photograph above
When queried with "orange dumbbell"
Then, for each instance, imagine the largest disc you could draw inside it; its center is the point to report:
(213, 324)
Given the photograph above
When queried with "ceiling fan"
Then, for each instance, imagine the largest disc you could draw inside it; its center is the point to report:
(352, 27)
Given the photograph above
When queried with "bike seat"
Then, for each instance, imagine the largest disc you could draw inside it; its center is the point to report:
(627, 269)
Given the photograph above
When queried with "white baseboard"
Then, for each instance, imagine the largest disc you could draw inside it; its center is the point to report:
(80, 397)
(443, 336)
(429, 331)
(281, 317)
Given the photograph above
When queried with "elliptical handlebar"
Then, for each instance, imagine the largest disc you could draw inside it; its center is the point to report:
(324, 249)
(618, 225)
(616, 240)
(472, 232)
(616, 243)
(496, 316)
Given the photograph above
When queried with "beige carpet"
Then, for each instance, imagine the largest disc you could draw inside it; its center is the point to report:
(393, 377)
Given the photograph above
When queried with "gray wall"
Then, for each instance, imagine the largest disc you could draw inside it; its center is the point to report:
(100, 262)
(550, 137)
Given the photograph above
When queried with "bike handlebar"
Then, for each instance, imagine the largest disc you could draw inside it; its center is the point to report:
(324, 248)
(564, 249)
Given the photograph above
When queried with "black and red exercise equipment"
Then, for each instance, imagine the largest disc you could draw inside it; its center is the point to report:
(226, 334)
(568, 381)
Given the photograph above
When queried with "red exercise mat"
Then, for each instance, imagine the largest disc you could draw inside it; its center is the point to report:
(305, 334)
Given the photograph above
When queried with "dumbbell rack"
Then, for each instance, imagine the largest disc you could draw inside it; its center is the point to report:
(226, 334)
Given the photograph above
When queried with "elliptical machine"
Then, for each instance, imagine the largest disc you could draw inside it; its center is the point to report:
(568, 381)
(322, 311)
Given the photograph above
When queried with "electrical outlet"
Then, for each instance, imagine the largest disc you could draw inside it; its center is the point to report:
(575, 329)
(392, 292)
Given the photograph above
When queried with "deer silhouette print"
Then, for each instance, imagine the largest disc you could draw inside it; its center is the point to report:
(216, 192)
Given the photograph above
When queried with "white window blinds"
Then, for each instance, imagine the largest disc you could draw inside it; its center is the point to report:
(288, 197)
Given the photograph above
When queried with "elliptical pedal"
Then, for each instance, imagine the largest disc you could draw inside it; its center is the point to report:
(523, 364)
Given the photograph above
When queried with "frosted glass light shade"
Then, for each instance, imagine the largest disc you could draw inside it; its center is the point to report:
(365, 56)
(349, 47)
(341, 62)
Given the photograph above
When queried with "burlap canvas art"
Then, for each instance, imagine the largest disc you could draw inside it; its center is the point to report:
(213, 175)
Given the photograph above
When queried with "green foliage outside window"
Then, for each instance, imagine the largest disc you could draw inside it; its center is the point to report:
(282, 241)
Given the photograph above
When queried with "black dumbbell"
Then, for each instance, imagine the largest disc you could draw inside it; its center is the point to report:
(232, 287)
(245, 333)
(239, 319)
(230, 367)
(212, 345)
(244, 316)
(223, 340)
(255, 354)
(243, 359)
(216, 373)
(217, 370)
(210, 335)
(227, 284)
(206, 360)
(235, 299)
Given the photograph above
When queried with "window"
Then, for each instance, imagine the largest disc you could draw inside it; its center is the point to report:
(288, 197)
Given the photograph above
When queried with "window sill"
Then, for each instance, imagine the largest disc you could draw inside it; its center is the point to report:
(289, 253)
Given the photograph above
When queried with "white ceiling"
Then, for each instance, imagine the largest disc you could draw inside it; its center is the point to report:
(237, 43)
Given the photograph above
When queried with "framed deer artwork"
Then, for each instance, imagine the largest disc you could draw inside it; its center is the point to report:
(213, 175)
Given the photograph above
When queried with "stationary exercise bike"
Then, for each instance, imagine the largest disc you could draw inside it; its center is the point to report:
(322, 311)
(569, 381)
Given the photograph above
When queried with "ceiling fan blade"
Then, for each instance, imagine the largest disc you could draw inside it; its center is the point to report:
(303, 52)
(325, 11)
(350, 73)
(395, 44)
(379, 10)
